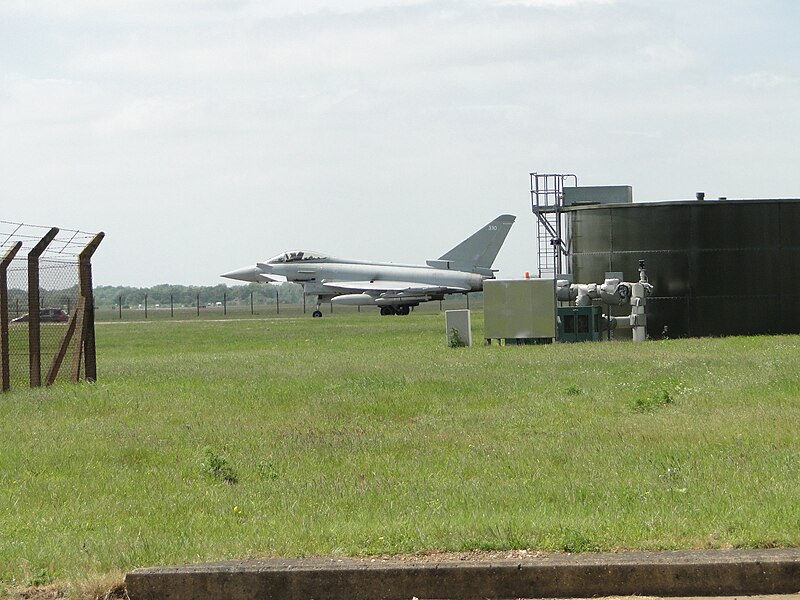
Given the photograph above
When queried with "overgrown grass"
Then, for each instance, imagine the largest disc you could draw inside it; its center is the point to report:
(356, 434)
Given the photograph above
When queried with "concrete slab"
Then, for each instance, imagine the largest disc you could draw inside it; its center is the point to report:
(686, 573)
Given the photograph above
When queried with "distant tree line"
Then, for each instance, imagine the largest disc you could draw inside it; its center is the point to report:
(186, 295)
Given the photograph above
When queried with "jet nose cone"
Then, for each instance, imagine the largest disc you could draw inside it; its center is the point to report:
(245, 274)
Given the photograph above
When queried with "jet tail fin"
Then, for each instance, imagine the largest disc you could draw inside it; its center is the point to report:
(477, 253)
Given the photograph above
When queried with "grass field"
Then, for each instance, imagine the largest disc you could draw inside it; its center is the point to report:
(356, 434)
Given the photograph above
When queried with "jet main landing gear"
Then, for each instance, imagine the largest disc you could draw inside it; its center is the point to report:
(395, 310)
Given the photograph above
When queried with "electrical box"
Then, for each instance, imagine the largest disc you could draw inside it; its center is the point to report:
(519, 311)
(579, 323)
(458, 326)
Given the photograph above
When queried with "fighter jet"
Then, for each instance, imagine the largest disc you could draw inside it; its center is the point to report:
(391, 287)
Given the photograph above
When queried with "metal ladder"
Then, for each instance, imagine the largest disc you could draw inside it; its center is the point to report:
(547, 200)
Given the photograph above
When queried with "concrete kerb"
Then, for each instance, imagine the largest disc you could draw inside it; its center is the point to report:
(685, 573)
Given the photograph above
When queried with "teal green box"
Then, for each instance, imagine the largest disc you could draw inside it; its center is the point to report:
(579, 323)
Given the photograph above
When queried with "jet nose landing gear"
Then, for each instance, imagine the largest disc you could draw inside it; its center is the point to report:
(317, 314)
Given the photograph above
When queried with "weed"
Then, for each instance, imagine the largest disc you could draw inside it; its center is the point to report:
(656, 399)
(217, 467)
(267, 470)
(454, 340)
(573, 390)
(42, 577)
(574, 541)
(506, 535)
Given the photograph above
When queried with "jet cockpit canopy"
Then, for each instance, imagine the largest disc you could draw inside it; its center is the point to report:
(298, 256)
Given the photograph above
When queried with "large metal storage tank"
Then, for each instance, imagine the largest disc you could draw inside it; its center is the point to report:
(727, 267)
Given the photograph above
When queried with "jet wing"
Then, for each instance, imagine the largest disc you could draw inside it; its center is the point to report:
(380, 285)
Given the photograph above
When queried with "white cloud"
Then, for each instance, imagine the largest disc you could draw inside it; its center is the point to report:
(670, 55)
(115, 11)
(554, 3)
(157, 11)
(48, 101)
(765, 79)
(154, 115)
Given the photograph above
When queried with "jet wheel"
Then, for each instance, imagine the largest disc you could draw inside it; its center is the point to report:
(317, 314)
(387, 310)
(403, 310)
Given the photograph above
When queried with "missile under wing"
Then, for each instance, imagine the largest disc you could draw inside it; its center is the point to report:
(391, 287)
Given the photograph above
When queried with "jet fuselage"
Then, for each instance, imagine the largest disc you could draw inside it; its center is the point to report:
(334, 272)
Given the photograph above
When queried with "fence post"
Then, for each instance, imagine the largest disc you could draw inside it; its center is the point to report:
(120, 308)
(34, 325)
(278, 300)
(145, 305)
(171, 305)
(12, 252)
(251, 304)
(198, 304)
(86, 336)
(224, 304)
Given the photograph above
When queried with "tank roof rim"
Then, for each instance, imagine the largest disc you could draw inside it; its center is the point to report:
(710, 202)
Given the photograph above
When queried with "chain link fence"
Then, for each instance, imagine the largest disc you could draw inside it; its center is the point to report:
(47, 308)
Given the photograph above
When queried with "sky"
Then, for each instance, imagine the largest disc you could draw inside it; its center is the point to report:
(206, 135)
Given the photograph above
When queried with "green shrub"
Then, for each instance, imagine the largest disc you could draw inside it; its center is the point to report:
(217, 467)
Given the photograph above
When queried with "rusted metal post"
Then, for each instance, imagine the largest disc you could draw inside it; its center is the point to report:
(34, 325)
(87, 294)
(77, 353)
(12, 252)
(52, 373)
